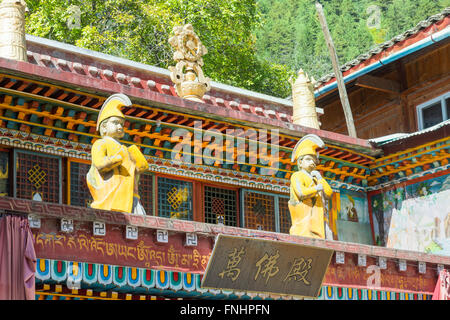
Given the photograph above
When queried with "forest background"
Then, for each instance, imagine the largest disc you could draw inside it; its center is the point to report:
(253, 44)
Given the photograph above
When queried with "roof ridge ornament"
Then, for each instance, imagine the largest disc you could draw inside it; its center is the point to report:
(12, 29)
(304, 104)
(190, 82)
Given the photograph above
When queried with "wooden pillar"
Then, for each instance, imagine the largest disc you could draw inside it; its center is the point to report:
(340, 81)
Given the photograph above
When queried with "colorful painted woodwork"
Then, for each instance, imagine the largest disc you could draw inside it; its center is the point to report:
(218, 166)
(64, 279)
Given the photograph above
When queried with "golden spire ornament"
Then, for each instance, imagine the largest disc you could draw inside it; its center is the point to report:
(304, 112)
(12, 29)
(190, 83)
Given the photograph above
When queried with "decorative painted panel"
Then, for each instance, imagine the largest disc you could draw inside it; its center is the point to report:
(220, 206)
(175, 199)
(37, 177)
(183, 284)
(414, 215)
(352, 220)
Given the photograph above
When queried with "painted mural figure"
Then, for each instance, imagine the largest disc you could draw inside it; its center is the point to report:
(308, 190)
(352, 213)
(113, 178)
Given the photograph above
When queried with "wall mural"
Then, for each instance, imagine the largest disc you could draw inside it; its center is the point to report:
(415, 216)
(352, 223)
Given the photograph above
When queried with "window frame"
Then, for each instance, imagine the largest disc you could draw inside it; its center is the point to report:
(10, 183)
(276, 206)
(227, 187)
(15, 159)
(68, 178)
(156, 195)
(420, 107)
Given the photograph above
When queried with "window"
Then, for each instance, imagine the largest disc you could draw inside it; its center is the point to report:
(37, 177)
(4, 173)
(285, 215)
(146, 192)
(434, 111)
(265, 211)
(220, 206)
(175, 199)
(79, 194)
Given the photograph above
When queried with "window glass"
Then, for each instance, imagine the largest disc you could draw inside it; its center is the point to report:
(220, 206)
(175, 199)
(432, 115)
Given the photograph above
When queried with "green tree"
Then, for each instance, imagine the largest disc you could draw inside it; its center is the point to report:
(139, 30)
(355, 26)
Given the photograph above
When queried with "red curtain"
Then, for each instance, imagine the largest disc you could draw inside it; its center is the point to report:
(17, 259)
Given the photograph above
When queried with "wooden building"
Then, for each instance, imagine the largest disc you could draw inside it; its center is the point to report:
(401, 86)
(48, 110)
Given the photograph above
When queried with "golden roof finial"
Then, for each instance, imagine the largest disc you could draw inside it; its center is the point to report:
(304, 104)
(190, 83)
(12, 29)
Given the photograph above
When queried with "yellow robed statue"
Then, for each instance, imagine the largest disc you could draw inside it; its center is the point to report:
(113, 178)
(308, 190)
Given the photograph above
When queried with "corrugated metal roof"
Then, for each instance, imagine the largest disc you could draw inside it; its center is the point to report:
(401, 136)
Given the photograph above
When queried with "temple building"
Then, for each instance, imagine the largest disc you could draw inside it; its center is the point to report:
(221, 164)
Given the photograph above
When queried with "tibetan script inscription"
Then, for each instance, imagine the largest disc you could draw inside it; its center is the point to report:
(113, 248)
(248, 264)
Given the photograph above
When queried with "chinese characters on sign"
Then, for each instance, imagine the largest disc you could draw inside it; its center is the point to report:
(249, 264)
(300, 269)
(267, 266)
(234, 258)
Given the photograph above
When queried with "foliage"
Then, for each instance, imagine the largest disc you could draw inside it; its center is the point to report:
(139, 30)
(253, 44)
(290, 32)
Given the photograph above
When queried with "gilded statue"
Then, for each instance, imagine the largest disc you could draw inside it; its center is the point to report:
(308, 190)
(190, 83)
(113, 178)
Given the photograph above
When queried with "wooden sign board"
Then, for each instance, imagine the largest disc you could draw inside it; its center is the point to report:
(266, 266)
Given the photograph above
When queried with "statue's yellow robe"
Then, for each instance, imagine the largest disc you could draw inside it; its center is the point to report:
(306, 205)
(113, 187)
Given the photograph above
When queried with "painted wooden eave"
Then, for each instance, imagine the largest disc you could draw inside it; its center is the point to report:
(139, 94)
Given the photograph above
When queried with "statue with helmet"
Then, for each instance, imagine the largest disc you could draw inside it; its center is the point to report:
(308, 190)
(113, 178)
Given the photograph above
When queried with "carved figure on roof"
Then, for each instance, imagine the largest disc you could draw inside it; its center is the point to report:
(113, 178)
(12, 29)
(190, 83)
(308, 190)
